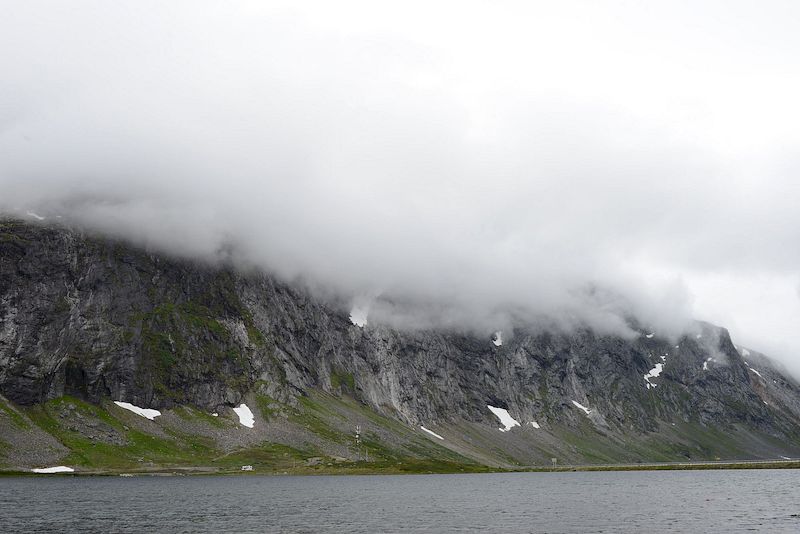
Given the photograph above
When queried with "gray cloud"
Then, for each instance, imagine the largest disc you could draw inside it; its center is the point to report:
(468, 167)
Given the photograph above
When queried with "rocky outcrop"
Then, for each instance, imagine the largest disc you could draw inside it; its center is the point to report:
(100, 319)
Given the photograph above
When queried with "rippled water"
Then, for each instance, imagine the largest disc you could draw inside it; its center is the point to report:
(666, 501)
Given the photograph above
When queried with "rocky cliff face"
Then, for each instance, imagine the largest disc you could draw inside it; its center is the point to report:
(98, 319)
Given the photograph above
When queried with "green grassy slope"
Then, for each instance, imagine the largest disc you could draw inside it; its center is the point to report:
(317, 435)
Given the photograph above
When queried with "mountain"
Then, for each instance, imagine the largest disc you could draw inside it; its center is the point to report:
(88, 323)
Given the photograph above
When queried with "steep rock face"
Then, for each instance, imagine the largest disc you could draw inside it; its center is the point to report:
(101, 319)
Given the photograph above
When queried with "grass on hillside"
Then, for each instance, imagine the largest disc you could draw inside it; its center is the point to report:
(146, 452)
(15, 417)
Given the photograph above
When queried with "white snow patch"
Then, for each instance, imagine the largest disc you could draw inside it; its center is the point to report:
(506, 420)
(582, 407)
(498, 339)
(745, 352)
(215, 414)
(358, 316)
(698, 336)
(785, 457)
(432, 433)
(654, 372)
(534, 424)
(56, 469)
(245, 416)
(147, 413)
(247, 468)
(650, 335)
(35, 216)
(756, 372)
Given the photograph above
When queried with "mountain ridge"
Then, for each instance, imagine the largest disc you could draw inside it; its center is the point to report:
(98, 320)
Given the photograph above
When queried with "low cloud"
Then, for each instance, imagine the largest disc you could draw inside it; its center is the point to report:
(470, 168)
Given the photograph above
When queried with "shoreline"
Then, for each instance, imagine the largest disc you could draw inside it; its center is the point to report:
(209, 471)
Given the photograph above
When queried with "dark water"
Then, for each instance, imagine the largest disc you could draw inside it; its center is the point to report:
(667, 501)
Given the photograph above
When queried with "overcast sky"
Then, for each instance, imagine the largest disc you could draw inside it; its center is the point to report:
(472, 162)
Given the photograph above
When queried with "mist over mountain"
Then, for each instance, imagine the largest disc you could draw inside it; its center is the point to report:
(469, 167)
(107, 348)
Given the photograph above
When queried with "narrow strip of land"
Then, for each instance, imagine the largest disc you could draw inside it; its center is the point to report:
(365, 469)
(790, 463)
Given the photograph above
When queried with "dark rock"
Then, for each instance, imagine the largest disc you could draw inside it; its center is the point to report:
(99, 319)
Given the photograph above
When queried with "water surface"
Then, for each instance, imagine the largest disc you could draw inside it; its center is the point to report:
(658, 501)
